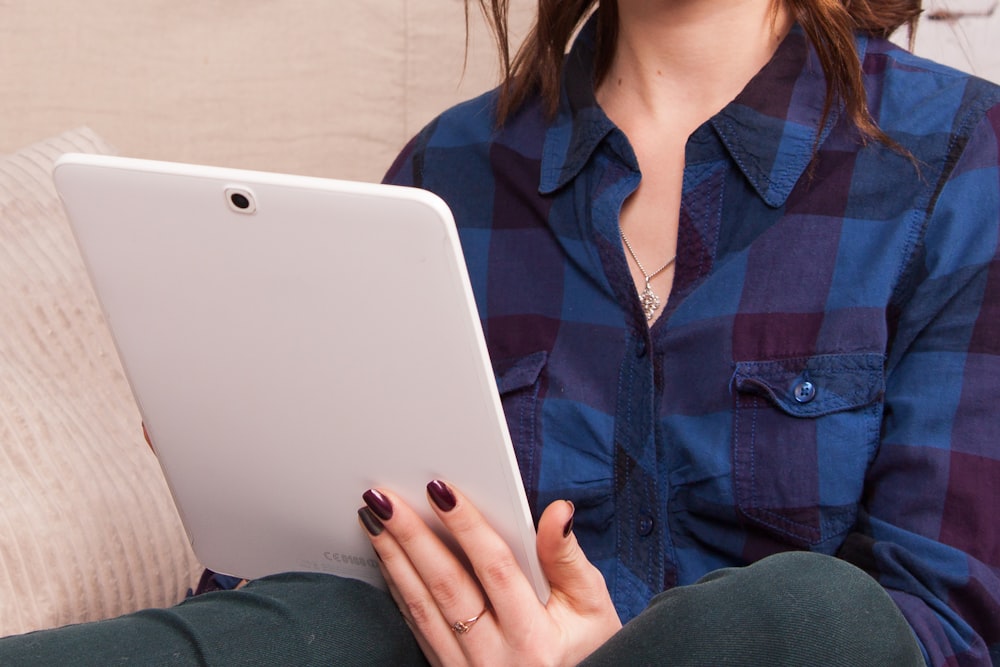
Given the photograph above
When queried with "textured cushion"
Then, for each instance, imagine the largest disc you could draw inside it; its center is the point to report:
(87, 526)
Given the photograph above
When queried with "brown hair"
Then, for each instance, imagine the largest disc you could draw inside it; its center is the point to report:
(828, 24)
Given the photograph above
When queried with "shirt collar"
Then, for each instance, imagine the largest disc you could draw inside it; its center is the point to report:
(580, 124)
(770, 130)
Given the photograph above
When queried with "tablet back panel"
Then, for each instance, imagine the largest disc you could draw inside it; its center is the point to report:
(287, 359)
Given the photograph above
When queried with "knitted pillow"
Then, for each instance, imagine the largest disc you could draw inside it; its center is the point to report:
(87, 526)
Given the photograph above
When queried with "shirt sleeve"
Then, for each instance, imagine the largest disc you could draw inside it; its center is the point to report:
(407, 168)
(930, 527)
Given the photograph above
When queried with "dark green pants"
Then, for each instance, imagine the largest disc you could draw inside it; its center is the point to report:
(790, 609)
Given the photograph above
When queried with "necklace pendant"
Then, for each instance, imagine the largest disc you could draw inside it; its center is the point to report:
(650, 302)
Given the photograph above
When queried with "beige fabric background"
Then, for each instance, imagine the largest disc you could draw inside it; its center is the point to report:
(87, 526)
(318, 87)
(967, 39)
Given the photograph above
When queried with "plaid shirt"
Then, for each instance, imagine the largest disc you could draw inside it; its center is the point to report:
(825, 374)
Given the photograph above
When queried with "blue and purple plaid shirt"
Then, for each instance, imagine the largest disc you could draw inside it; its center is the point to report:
(826, 372)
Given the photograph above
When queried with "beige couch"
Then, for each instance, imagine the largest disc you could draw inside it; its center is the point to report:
(87, 527)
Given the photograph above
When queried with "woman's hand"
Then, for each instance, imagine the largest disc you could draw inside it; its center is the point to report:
(493, 615)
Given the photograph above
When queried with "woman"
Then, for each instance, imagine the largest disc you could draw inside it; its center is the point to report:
(743, 300)
(815, 379)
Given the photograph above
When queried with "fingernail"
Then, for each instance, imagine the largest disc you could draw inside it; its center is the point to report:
(442, 495)
(568, 528)
(378, 503)
(370, 521)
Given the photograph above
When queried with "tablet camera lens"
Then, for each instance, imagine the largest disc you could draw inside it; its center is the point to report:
(241, 200)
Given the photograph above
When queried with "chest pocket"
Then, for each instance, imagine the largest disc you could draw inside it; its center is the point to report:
(519, 382)
(804, 433)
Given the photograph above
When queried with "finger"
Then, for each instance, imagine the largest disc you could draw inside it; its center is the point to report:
(573, 578)
(511, 594)
(435, 586)
(145, 434)
(454, 589)
(414, 601)
(425, 646)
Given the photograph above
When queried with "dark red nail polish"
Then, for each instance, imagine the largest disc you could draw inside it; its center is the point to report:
(378, 503)
(568, 528)
(370, 521)
(442, 495)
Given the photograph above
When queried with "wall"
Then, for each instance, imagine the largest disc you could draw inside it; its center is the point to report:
(961, 33)
(319, 87)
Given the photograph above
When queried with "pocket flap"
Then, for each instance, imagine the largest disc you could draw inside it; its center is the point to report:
(814, 386)
(519, 373)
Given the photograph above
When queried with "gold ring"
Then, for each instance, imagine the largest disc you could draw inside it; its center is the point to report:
(462, 627)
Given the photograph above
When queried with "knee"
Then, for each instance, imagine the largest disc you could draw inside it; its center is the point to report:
(822, 576)
(800, 608)
(791, 587)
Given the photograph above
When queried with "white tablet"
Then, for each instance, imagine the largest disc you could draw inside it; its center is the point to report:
(290, 343)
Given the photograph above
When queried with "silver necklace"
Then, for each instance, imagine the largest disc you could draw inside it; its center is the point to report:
(650, 302)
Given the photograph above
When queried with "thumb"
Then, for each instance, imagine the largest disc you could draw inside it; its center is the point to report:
(574, 579)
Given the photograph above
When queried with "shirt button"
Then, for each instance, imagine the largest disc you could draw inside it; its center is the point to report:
(804, 391)
(645, 525)
(640, 348)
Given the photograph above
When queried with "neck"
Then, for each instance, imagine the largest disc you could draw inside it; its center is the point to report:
(686, 59)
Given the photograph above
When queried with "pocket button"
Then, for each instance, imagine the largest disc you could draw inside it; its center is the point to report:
(804, 391)
(645, 525)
